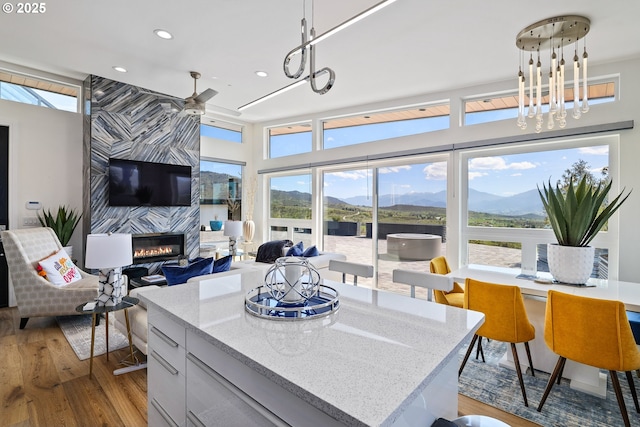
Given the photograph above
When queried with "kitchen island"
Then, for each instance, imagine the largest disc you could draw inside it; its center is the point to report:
(381, 359)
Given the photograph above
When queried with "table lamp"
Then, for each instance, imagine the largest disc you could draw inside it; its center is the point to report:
(233, 229)
(109, 253)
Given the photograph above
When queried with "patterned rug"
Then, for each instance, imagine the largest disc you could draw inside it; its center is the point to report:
(77, 331)
(498, 386)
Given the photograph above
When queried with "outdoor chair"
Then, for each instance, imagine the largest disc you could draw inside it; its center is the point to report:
(354, 268)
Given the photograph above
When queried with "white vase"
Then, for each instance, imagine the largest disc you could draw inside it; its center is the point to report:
(570, 264)
(248, 230)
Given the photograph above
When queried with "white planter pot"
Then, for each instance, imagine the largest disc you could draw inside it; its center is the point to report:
(569, 264)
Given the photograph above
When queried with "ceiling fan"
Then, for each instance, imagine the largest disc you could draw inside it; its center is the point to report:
(195, 104)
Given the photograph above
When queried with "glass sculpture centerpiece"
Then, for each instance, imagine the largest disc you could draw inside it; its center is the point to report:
(292, 290)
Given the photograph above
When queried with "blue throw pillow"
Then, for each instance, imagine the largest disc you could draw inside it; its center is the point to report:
(222, 264)
(310, 252)
(296, 250)
(177, 275)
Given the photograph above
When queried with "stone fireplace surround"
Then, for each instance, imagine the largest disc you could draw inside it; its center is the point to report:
(128, 122)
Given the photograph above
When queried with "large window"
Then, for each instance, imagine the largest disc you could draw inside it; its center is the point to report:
(35, 91)
(494, 108)
(291, 208)
(220, 192)
(223, 131)
(504, 223)
(352, 130)
(289, 140)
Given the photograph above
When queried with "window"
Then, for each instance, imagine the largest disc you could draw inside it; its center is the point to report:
(345, 131)
(290, 208)
(220, 191)
(491, 109)
(35, 91)
(504, 223)
(225, 132)
(289, 140)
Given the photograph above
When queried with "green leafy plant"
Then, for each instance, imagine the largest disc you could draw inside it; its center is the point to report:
(63, 223)
(579, 213)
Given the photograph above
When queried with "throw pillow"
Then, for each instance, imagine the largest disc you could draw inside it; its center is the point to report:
(177, 275)
(311, 251)
(59, 269)
(295, 250)
(222, 264)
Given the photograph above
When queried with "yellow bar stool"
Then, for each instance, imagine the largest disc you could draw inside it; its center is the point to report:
(594, 332)
(505, 320)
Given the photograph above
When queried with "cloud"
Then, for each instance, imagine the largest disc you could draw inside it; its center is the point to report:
(329, 139)
(497, 163)
(354, 175)
(474, 175)
(435, 171)
(596, 151)
(394, 169)
(516, 174)
(302, 183)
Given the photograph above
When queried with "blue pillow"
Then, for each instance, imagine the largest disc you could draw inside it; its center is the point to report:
(296, 250)
(222, 264)
(310, 252)
(177, 275)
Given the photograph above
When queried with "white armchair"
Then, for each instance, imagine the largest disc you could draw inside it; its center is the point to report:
(36, 296)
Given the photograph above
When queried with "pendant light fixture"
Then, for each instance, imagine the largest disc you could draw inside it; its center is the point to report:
(552, 35)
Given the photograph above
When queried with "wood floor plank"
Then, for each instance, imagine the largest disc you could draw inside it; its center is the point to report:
(46, 399)
(90, 404)
(127, 392)
(13, 402)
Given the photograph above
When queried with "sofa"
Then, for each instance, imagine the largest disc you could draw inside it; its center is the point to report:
(138, 313)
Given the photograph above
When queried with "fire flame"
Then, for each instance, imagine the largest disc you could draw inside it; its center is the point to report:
(149, 252)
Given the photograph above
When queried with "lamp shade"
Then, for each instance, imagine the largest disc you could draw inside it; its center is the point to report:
(233, 228)
(108, 250)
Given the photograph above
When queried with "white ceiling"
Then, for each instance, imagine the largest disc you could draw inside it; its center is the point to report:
(409, 48)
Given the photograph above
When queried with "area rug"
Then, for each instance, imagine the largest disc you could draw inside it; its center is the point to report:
(498, 387)
(77, 331)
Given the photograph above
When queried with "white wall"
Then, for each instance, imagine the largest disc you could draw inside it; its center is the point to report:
(45, 162)
(625, 108)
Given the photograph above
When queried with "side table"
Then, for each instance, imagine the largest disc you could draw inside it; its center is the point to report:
(124, 305)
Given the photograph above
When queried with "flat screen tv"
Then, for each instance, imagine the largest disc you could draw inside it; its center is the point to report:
(137, 183)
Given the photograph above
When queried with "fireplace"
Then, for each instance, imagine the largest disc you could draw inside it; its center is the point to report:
(156, 247)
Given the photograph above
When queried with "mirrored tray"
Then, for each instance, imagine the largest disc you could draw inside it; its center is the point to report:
(260, 303)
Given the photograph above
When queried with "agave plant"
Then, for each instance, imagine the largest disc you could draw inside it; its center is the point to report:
(63, 223)
(578, 214)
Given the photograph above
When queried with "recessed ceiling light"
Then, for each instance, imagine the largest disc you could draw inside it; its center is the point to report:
(119, 69)
(261, 73)
(163, 34)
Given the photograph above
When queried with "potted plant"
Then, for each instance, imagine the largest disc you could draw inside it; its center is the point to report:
(576, 216)
(63, 223)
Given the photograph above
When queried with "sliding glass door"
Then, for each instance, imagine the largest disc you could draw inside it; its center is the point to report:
(411, 219)
(348, 214)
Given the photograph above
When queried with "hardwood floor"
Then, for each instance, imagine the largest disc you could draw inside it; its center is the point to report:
(42, 383)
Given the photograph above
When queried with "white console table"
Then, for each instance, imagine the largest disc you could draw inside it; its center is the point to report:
(584, 378)
(382, 359)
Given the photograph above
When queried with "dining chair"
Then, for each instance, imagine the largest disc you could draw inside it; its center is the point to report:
(505, 320)
(354, 268)
(420, 279)
(454, 297)
(594, 332)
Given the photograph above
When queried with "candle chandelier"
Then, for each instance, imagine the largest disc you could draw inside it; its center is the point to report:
(552, 35)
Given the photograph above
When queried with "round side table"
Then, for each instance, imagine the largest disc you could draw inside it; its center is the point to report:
(126, 303)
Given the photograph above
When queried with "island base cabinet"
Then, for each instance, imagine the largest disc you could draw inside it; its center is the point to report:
(213, 401)
(244, 387)
(166, 364)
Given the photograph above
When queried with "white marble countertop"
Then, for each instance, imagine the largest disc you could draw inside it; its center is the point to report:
(362, 365)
